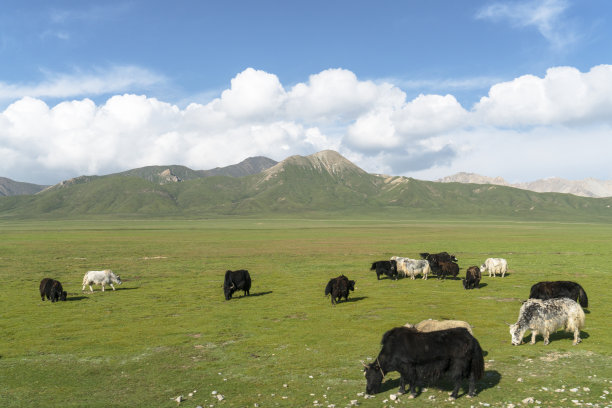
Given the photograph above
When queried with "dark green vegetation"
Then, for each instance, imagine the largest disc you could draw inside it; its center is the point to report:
(323, 185)
(168, 330)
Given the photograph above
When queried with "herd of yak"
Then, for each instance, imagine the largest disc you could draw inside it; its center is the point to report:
(424, 352)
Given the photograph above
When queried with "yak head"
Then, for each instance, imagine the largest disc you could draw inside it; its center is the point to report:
(64, 295)
(517, 334)
(374, 377)
(228, 290)
(351, 285)
(465, 284)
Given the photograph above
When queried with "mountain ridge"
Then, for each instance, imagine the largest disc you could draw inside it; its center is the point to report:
(320, 185)
(588, 187)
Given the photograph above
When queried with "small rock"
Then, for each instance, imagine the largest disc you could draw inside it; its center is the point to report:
(519, 379)
(310, 376)
(510, 406)
(220, 397)
(214, 393)
(393, 397)
(586, 389)
(432, 397)
(354, 402)
(528, 400)
(360, 394)
(256, 405)
(190, 394)
(573, 389)
(179, 399)
(285, 386)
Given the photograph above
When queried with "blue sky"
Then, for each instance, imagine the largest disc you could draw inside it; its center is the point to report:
(518, 89)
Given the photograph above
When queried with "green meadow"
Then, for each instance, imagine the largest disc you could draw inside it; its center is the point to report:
(167, 330)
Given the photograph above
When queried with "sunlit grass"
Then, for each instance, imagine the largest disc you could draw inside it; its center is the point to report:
(168, 331)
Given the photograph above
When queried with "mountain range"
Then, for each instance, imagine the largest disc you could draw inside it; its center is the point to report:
(589, 187)
(321, 184)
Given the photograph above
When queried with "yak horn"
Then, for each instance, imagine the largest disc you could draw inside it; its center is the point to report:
(509, 324)
(364, 364)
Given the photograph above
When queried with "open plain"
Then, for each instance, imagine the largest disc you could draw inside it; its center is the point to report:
(167, 330)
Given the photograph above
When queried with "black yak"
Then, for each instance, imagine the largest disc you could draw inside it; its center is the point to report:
(423, 358)
(339, 288)
(559, 289)
(236, 280)
(52, 290)
(472, 278)
(388, 268)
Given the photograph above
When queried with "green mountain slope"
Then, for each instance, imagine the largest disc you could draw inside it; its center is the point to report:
(10, 187)
(323, 184)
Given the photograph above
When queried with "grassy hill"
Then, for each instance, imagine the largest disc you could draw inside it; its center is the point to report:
(322, 184)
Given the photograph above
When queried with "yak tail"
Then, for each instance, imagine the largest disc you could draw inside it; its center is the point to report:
(477, 366)
(582, 297)
(328, 288)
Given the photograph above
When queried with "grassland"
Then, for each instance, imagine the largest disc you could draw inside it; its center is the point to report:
(168, 331)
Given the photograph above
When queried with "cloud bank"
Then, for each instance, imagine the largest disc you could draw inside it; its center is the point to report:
(527, 128)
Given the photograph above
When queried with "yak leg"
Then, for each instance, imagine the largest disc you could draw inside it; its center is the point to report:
(90, 289)
(577, 338)
(546, 335)
(472, 386)
(534, 333)
(112, 286)
(456, 390)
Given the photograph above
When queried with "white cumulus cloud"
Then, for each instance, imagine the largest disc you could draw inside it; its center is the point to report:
(564, 114)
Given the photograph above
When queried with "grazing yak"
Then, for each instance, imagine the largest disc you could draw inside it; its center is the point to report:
(447, 268)
(388, 268)
(430, 325)
(494, 265)
(52, 289)
(422, 358)
(412, 267)
(103, 278)
(559, 289)
(472, 278)
(339, 288)
(236, 280)
(435, 259)
(547, 316)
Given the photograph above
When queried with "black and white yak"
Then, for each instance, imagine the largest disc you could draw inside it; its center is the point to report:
(559, 289)
(339, 288)
(472, 278)
(547, 316)
(52, 290)
(236, 280)
(388, 268)
(423, 358)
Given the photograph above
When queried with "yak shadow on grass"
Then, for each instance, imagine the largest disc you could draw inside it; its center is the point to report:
(355, 299)
(75, 298)
(490, 379)
(558, 335)
(252, 295)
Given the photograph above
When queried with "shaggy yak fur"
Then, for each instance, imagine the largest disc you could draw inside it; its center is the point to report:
(430, 325)
(472, 278)
(547, 316)
(559, 289)
(236, 280)
(339, 288)
(422, 358)
(388, 268)
(52, 290)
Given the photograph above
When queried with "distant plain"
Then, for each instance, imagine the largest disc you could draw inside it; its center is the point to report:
(167, 330)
